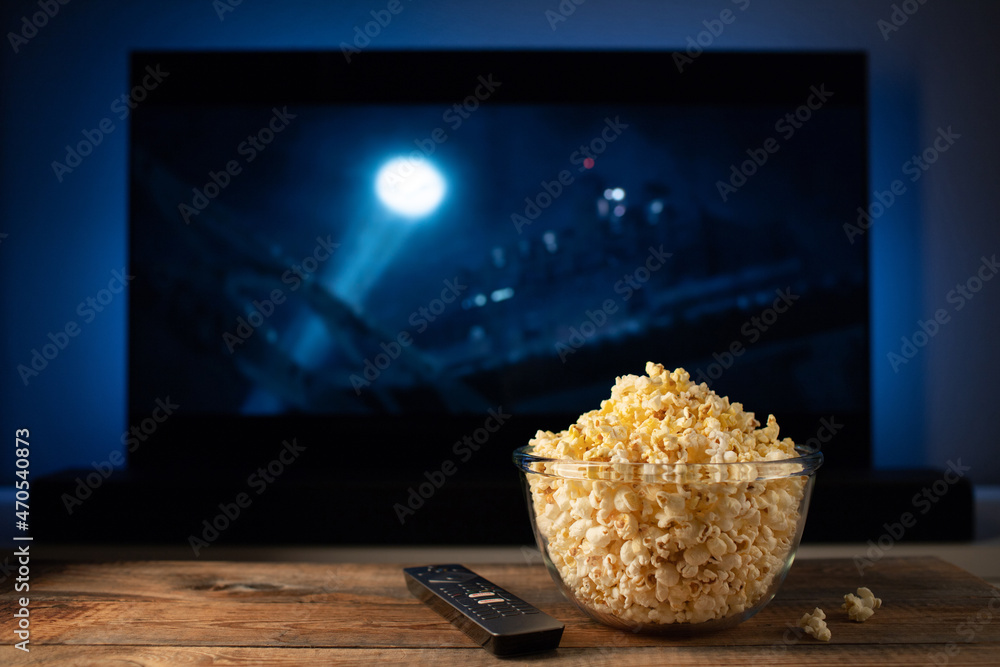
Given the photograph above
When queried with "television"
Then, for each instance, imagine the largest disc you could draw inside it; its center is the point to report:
(362, 280)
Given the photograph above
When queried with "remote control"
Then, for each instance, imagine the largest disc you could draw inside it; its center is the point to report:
(497, 620)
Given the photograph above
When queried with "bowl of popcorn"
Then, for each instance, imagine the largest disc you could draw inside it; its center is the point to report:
(669, 509)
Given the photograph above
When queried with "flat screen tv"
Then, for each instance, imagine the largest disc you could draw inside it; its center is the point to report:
(400, 265)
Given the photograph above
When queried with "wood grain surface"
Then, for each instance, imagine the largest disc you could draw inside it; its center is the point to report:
(228, 613)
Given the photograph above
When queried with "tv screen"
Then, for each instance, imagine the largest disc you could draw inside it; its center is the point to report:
(411, 258)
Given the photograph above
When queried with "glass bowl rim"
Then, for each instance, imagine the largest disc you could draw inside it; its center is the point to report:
(809, 460)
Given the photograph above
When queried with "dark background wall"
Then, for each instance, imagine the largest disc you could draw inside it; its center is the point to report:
(61, 241)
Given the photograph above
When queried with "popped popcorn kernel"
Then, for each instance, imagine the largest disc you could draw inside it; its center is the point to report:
(655, 547)
(815, 625)
(862, 606)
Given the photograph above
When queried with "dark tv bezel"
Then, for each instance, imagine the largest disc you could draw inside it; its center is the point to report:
(444, 77)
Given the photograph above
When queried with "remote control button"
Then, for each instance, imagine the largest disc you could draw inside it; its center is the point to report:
(491, 600)
(451, 578)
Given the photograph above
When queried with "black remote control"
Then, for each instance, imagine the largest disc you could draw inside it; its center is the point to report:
(495, 619)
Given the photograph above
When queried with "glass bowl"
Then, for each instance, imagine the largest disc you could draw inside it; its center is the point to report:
(668, 548)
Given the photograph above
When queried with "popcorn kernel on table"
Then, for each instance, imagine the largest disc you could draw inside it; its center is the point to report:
(815, 625)
(682, 551)
(862, 606)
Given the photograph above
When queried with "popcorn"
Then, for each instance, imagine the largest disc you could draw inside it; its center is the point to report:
(860, 607)
(815, 625)
(689, 545)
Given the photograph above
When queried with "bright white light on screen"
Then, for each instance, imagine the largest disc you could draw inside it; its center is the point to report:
(411, 188)
(501, 294)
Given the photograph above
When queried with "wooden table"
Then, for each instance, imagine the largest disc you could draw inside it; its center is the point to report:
(212, 613)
